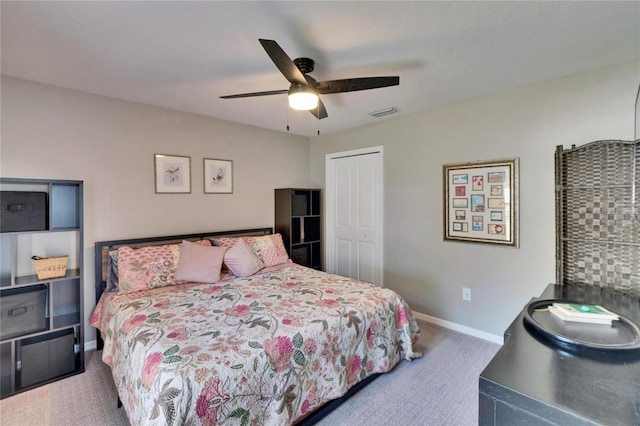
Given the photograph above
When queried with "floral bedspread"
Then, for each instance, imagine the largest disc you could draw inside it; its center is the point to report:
(266, 349)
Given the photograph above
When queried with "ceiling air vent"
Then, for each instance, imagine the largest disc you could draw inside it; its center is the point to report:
(382, 112)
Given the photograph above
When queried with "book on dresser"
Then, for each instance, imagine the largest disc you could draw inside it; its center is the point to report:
(576, 312)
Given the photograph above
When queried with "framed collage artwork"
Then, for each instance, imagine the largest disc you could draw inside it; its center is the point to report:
(481, 201)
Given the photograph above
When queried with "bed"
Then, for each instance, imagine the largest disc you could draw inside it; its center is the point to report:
(274, 343)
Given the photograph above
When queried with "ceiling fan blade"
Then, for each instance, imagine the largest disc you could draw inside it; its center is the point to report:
(320, 112)
(355, 84)
(248, 95)
(283, 62)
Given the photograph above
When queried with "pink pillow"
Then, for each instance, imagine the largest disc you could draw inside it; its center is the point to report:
(241, 260)
(199, 263)
(227, 242)
(147, 267)
(269, 248)
(206, 243)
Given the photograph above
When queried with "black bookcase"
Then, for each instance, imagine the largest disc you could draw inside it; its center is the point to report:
(298, 219)
(42, 329)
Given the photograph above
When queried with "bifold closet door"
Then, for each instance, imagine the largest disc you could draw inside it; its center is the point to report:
(355, 216)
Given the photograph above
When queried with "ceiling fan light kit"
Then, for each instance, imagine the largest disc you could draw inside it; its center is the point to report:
(304, 92)
(303, 98)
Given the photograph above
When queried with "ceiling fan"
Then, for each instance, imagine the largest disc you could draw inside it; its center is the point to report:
(305, 90)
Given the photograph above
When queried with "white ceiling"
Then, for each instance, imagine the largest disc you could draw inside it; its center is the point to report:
(184, 55)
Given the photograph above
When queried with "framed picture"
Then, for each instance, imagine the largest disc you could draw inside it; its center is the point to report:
(218, 176)
(490, 214)
(477, 203)
(460, 202)
(172, 174)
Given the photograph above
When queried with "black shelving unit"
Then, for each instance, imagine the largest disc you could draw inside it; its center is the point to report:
(53, 349)
(298, 219)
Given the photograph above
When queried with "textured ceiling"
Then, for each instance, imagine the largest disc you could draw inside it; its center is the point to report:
(184, 55)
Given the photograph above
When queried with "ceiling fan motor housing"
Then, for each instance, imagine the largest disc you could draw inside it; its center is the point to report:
(305, 65)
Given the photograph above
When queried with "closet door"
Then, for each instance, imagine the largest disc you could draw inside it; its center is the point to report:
(355, 215)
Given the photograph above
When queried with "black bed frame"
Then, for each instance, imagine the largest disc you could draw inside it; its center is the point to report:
(102, 249)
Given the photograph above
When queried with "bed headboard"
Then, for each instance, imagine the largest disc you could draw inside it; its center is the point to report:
(103, 247)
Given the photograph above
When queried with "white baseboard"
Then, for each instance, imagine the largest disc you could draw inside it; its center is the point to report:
(92, 345)
(461, 328)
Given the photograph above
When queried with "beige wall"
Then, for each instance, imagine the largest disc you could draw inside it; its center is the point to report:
(48, 132)
(527, 123)
(53, 133)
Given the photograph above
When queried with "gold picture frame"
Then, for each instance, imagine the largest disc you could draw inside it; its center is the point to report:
(481, 201)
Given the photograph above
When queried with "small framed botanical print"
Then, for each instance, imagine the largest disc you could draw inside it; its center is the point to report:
(218, 176)
(172, 174)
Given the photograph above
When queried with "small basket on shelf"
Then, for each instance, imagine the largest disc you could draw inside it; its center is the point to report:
(50, 267)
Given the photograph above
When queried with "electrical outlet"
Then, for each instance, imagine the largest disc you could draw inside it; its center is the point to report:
(466, 294)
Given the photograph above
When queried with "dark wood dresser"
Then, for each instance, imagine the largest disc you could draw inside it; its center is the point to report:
(536, 380)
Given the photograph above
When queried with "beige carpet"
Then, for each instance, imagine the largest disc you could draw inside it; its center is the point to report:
(84, 399)
(439, 389)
